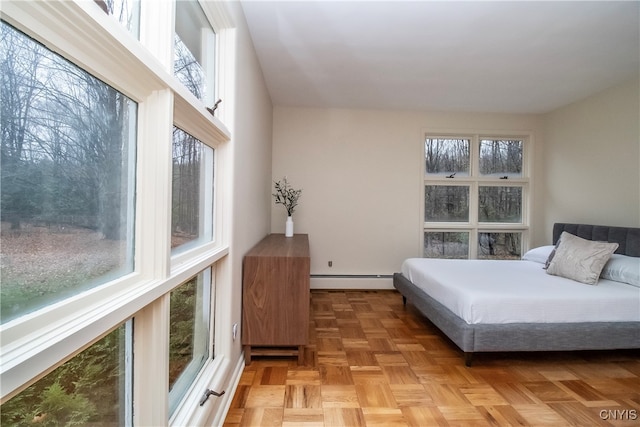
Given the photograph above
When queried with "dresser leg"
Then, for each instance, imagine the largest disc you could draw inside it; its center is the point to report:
(300, 355)
(247, 355)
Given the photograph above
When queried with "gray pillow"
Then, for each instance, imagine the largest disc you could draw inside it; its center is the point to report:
(621, 268)
(580, 259)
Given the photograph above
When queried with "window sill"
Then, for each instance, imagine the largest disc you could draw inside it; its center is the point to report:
(34, 343)
(212, 376)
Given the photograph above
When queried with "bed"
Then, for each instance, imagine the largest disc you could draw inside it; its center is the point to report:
(501, 306)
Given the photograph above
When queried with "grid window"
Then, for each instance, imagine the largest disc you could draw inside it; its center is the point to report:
(475, 196)
(88, 164)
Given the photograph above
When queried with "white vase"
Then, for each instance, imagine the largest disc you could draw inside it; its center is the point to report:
(288, 228)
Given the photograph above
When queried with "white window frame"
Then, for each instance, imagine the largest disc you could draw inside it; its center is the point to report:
(206, 240)
(208, 53)
(37, 343)
(474, 181)
(186, 378)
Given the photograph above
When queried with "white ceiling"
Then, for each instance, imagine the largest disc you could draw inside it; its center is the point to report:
(505, 56)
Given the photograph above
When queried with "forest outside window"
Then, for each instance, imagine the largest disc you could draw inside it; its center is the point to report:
(446, 244)
(68, 167)
(446, 203)
(475, 196)
(447, 156)
(93, 388)
(192, 192)
(189, 338)
(108, 215)
(194, 50)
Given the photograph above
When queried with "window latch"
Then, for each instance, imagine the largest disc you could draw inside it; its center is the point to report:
(452, 175)
(208, 393)
(215, 107)
(504, 177)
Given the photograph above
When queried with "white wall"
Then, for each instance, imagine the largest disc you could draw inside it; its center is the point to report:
(592, 161)
(251, 176)
(360, 171)
(361, 175)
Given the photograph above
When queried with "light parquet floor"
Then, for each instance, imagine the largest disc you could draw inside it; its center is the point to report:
(373, 362)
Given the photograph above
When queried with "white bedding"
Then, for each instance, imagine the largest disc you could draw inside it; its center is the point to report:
(497, 291)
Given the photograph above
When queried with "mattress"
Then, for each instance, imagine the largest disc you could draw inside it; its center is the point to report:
(501, 291)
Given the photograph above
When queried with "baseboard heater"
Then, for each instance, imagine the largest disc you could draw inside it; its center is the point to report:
(352, 281)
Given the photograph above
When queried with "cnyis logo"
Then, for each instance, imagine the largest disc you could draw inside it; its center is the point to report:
(619, 414)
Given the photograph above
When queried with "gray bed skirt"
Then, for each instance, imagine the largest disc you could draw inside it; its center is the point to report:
(534, 336)
(519, 336)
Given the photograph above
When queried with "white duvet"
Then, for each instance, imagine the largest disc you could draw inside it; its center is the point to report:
(497, 291)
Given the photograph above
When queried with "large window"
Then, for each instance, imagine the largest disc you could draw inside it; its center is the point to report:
(476, 190)
(109, 214)
(68, 164)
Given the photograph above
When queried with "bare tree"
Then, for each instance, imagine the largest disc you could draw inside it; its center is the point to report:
(64, 140)
(19, 90)
(187, 156)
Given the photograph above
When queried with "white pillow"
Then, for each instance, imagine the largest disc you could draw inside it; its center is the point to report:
(580, 259)
(621, 268)
(539, 254)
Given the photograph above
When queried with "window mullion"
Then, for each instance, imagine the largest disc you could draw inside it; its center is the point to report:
(156, 30)
(153, 240)
(473, 197)
(151, 364)
(154, 166)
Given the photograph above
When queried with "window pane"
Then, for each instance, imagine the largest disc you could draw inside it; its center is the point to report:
(92, 389)
(192, 192)
(446, 203)
(126, 12)
(501, 157)
(194, 50)
(68, 167)
(500, 204)
(189, 334)
(499, 245)
(447, 156)
(446, 244)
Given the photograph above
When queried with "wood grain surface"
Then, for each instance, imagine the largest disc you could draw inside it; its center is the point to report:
(275, 296)
(371, 361)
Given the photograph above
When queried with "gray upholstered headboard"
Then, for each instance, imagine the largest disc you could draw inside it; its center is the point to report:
(627, 237)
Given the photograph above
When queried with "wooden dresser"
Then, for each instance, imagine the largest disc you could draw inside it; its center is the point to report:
(275, 297)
